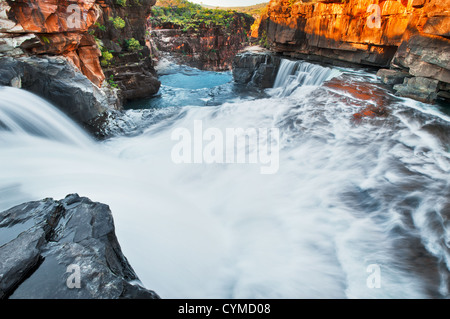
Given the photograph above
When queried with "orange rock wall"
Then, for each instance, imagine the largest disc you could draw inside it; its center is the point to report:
(61, 28)
(346, 30)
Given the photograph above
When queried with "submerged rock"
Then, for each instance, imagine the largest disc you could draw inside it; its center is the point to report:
(64, 249)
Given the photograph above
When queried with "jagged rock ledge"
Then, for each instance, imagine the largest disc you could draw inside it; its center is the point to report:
(55, 49)
(255, 67)
(412, 38)
(43, 243)
(207, 48)
(58, 81)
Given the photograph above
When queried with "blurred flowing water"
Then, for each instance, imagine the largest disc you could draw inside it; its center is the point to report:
(348, 194)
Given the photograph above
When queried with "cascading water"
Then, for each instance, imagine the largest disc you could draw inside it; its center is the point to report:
(293, 74)
(348, 195)
(22, 113)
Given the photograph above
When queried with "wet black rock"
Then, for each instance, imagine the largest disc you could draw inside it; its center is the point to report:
(60, 82)
(257, 69)
(64, 249)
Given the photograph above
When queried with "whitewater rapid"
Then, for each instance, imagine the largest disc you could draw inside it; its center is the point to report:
(347, 194)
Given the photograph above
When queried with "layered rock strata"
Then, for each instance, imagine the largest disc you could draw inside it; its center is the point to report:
(72, 39)
(207, 48)
(255, 68)
(121, 31)
(409, 36)
(52, 27)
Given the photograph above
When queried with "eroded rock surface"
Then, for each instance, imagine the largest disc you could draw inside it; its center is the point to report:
(45, 243)
(207, 48)
(408, 36)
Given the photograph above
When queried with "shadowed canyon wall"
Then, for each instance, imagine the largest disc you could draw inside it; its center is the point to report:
(411, 37)
(122, 34)
(207, 47)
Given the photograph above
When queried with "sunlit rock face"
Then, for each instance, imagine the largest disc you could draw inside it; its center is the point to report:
(54, 27)
(425, 52)
(408, 35)
(69, 28)
(81, 31)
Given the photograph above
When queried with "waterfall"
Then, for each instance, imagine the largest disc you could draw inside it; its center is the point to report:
(23, 113)
(347, 196)
(294, 74)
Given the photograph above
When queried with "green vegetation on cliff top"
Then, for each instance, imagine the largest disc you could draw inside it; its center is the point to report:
(254, 10)
(191, 16)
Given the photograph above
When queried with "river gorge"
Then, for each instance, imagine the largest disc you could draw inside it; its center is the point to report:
(357, 207)
(347, 194)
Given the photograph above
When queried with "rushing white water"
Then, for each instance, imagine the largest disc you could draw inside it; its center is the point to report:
(23, 113)
(347, 195)
(294, 74)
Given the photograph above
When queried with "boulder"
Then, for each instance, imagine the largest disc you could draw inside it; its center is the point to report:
(60, 82)
(257, 69)
(392, 77)
(64, 249)
(419, 88)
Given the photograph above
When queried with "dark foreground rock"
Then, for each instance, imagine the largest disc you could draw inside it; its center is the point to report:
(64, 249)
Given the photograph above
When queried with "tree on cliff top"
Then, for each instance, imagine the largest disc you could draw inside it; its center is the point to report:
(190, 16)
(176, 3)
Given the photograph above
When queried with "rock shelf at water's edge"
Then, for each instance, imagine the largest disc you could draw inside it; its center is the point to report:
(44, 243)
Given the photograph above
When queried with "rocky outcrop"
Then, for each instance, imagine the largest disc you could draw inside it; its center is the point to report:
(73, 38)
(46, 48)
(255, 67)
(129, 66)
(206, 48)
(64, 249)
(408, 36)
(59, 82)
(425, 53)
(52, 27)
(334, 29)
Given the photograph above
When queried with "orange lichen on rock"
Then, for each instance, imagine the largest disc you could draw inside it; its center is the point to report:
(371, 111)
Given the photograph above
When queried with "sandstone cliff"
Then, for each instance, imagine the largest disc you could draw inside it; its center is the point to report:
(411, 36)
(122, 35)
(76, 37)
(52, 27)
(208, 40)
